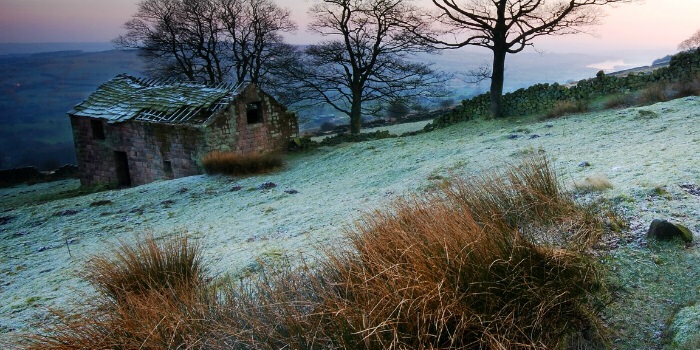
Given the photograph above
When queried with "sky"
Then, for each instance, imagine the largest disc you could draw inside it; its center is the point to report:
(652, 25)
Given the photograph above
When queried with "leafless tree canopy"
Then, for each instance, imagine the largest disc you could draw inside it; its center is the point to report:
(505, 27)
(209, 41)
(691, 43)
(363, 62)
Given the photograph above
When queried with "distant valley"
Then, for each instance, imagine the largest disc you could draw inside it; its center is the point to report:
(37, 89)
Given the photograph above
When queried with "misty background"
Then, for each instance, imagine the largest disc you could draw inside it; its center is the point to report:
(41, 82)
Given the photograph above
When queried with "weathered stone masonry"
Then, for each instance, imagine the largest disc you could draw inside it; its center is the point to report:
(131, 132)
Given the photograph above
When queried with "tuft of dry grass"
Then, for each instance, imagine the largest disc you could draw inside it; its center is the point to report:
(231, 163)
(563, 108)
(593, 183)
(151, 295)
(470, 267)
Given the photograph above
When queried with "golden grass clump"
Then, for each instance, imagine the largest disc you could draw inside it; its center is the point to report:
(467, 268)
(593, 183)
(151, 295)
(231, 163)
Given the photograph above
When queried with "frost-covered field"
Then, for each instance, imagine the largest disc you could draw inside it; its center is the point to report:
(320, 193)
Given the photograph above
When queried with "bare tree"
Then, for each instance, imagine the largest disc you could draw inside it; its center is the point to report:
(504, 27)
(177, 39)
(254, 28)
(691, 43)
(363, 63)
(209, 41)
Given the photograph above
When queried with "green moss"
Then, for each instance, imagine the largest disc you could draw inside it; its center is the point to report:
(686, 234)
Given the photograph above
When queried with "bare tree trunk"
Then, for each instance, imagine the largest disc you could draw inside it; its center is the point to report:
(356, 114)
(497, 76)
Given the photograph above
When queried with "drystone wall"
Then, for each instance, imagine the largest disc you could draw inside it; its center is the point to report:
(540, 98)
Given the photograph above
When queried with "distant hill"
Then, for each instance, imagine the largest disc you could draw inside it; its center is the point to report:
(36, 91)
(38, 88)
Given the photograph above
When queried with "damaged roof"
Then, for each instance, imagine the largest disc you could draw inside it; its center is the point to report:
(126, 97)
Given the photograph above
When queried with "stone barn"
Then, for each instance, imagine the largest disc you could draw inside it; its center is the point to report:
(133, 131)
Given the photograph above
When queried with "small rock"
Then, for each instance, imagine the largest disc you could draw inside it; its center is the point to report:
(101, 203)
(691, 189)
(236, 188)
(267, 185)
(513, 136)
(137, 211)
(167, 203)
(549, 125)
(5, 219)
(663, 230)
(533, 136)
(584, 164)
(41, 249)
(67, 212)
(291, 191)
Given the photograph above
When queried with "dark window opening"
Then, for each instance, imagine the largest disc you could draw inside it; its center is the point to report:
(168, 169)
(98, 131)
(254, 113)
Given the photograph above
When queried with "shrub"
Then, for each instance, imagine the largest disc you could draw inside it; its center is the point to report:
(464, 268)
(653, 93)
(230, 163)
(327, 126)
(562, 108)
(618, 101)
(689, 87)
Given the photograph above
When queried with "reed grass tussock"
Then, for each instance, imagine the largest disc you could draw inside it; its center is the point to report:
(460, 269)
(231, 163)
(593, 183)
(495, 262)
(150, 295)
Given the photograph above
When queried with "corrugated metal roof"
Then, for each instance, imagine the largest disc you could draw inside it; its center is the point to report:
(126, 97)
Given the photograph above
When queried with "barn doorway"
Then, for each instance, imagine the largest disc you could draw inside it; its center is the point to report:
(122, 162)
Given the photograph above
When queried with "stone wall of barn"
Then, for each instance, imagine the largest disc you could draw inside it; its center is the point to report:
(234, 134)
(152, 151)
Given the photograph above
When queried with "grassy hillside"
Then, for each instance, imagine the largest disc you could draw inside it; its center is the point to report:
(647, 154)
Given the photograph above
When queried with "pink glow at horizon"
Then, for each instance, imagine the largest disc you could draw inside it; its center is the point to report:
(652, 24)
